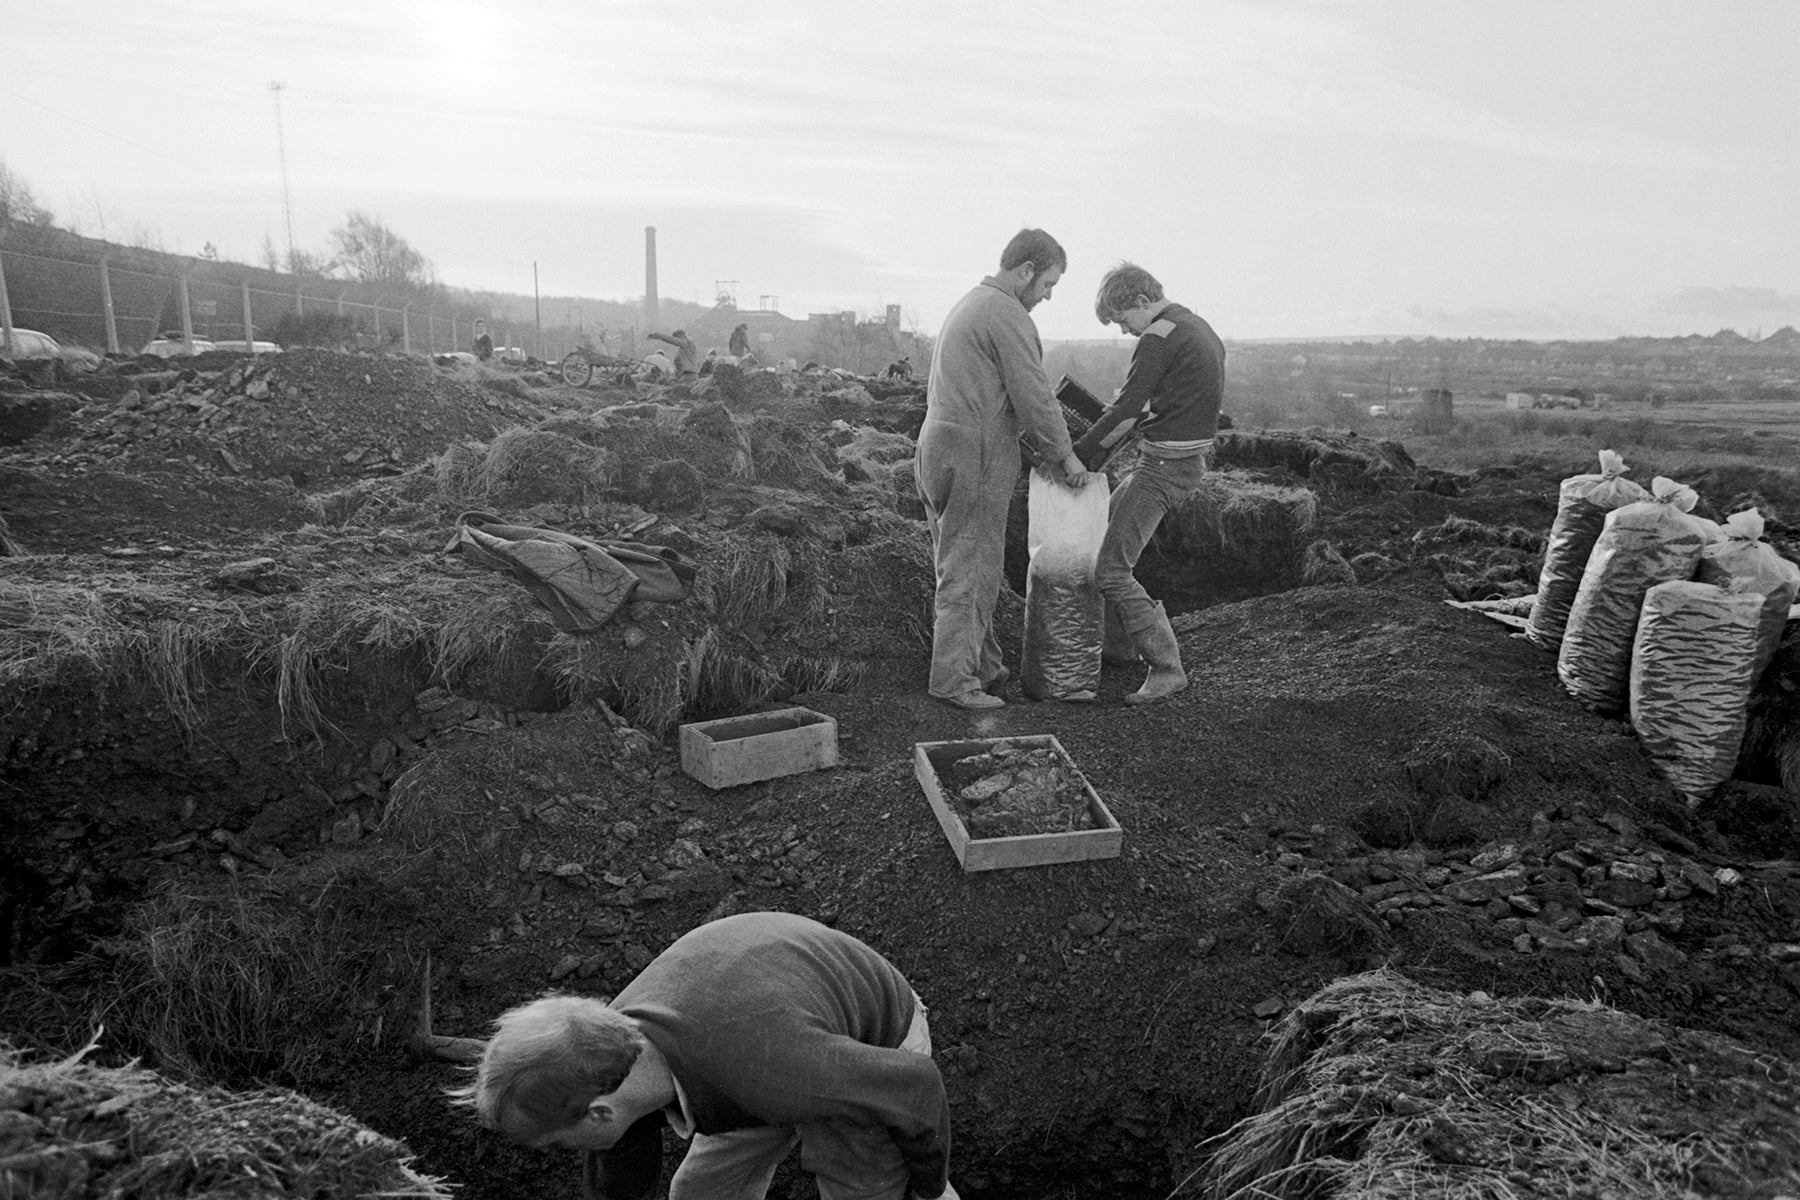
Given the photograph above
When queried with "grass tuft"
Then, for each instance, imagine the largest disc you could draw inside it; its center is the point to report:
(1378, 1087)
(234, 986)
(1231, 510)
(77, 1130)
(524, 466)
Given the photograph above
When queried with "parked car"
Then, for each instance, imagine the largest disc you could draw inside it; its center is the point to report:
(240, 346)
(173, 345)
(33, 346)
(29, 343)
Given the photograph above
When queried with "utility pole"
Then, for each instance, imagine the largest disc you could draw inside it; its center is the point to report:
(287, 204)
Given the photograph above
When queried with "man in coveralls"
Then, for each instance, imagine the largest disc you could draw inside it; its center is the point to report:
(986, 394)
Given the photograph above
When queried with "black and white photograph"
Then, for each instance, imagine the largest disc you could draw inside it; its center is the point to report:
(702, 600)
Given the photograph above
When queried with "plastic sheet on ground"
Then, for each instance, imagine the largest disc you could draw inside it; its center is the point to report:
(1692, 668)
(1740, 559)
(1064, 612)
(1641, 545)
(1582, 503)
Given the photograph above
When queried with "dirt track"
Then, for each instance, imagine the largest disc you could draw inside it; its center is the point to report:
(1354, 767)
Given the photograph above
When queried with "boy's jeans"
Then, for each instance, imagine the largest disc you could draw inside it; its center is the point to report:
(1152, 487)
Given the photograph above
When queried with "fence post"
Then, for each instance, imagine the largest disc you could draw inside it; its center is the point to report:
(405, 332)
(431, 331)
(187, 314)
(299, 301)
(340, 304)
(106, 307)
(249, 326)
(6, 334)
(455, 342)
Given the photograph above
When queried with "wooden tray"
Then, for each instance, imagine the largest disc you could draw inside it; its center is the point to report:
(1026, 850)
(748, 749)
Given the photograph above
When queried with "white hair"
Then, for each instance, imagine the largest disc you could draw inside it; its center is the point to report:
(547, 1060)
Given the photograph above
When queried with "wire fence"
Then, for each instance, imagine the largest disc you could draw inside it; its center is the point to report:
(119, 299)
(122, 309)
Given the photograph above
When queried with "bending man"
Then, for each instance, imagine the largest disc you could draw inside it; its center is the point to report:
(987, 391)
(747, 1034)
(687, 355)
(1171, 401)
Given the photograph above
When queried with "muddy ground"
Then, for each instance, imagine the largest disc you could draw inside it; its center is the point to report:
(239, 660)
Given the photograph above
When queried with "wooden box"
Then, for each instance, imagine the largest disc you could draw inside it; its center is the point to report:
(1029, 850)
(749, 749)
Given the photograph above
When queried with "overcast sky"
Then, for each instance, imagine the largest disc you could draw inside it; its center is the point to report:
(1287, 168)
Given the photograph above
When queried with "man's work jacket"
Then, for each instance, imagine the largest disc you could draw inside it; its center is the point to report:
(988, 374)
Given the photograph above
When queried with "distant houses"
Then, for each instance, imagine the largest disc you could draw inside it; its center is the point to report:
(1574, 398)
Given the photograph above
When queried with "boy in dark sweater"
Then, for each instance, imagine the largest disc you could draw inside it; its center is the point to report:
(1170, 401)
(748, 1034)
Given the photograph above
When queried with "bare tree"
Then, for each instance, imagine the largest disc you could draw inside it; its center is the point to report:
(373, 253)
(17, 203)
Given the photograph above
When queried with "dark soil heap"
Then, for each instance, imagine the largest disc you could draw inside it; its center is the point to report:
(223, 446)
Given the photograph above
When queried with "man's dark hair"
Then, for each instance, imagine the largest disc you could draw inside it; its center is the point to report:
(1036, 247)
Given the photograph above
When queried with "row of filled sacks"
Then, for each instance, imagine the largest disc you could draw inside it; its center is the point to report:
(1582, 505)
(1674, 618)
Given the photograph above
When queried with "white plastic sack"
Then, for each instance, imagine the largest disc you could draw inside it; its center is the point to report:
(1582, 503)
(1641, 545)
(1064, 613)
(1692, 669)
(1741, 560)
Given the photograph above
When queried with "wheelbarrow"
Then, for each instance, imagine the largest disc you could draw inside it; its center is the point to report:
(578, 366)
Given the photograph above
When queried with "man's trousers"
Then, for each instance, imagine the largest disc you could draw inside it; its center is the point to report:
(1152, 486)
(851, 1162)
(966, 477)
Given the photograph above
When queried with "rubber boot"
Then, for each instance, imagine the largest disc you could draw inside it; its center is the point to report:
(1156, 642)
(1116, 647)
